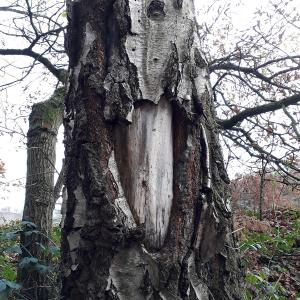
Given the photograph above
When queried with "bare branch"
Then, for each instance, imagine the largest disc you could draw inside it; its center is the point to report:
(58, 73)
(246, 70)
(59, 182)
(254, 111)
(293, 122)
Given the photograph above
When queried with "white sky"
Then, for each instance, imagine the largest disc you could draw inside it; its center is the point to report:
(13, 153)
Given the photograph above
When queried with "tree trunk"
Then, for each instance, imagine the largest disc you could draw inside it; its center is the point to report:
(44, 122)
(262, 176)
(148, 210)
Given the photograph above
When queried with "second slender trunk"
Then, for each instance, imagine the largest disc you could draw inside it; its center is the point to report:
(44, 122)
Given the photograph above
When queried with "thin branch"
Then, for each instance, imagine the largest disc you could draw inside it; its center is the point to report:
(59, 182)
(246, 70)
(294, 123)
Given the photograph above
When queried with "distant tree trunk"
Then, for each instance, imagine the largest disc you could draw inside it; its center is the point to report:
(261, 188)
(41, 194)
(148, 210)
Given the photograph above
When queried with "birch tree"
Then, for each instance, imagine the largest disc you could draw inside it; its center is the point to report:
(148, 210)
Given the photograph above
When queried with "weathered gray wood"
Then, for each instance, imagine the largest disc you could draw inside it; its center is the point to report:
(149, 164)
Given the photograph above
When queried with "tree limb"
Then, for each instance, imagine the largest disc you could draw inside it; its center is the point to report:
(58, 73)
(254, 111)
(59, 182)
(293, 122)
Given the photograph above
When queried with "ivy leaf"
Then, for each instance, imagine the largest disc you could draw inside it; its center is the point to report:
(13, 285)
(43, 268)
(30, 232)
(5, 287)
(14, 249)
(8, 273)
(28, 225)
(11, 235)
(28, 262)
(2, 285)
(54, 250)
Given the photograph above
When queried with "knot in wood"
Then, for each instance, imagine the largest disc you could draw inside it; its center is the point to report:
(156, 9)
(178, 4)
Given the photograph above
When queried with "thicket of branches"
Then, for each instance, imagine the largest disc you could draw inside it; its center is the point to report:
(33, 60)
(255, 72)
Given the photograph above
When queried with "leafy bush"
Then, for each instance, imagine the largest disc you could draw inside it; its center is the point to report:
(10, 250)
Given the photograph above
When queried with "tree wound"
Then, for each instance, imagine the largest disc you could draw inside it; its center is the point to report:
(147, 168)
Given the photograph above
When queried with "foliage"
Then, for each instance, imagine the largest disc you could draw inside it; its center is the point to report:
(9, 250)
(6, 287)
(271, 256)
(10, 257)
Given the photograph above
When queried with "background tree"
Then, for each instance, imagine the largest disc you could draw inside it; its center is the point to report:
(39, 29)
(41, 194)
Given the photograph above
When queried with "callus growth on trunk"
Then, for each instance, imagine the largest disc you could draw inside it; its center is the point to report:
(148, 206)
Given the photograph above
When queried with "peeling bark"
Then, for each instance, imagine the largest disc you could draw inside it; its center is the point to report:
(147, 210)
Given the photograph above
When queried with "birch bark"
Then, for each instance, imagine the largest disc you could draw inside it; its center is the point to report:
(148, 209)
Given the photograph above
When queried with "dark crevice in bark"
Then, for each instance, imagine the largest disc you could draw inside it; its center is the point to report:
(74, 32)
(112, 37)
(184, 281)
(172, 74)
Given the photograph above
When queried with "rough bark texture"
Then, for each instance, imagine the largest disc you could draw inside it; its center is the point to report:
(148, 210)
(44, 122)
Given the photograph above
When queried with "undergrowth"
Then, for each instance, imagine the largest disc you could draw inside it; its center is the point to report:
(271, 254)
(10, 257)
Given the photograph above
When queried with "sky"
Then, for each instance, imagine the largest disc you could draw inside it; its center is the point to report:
(13, 147)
